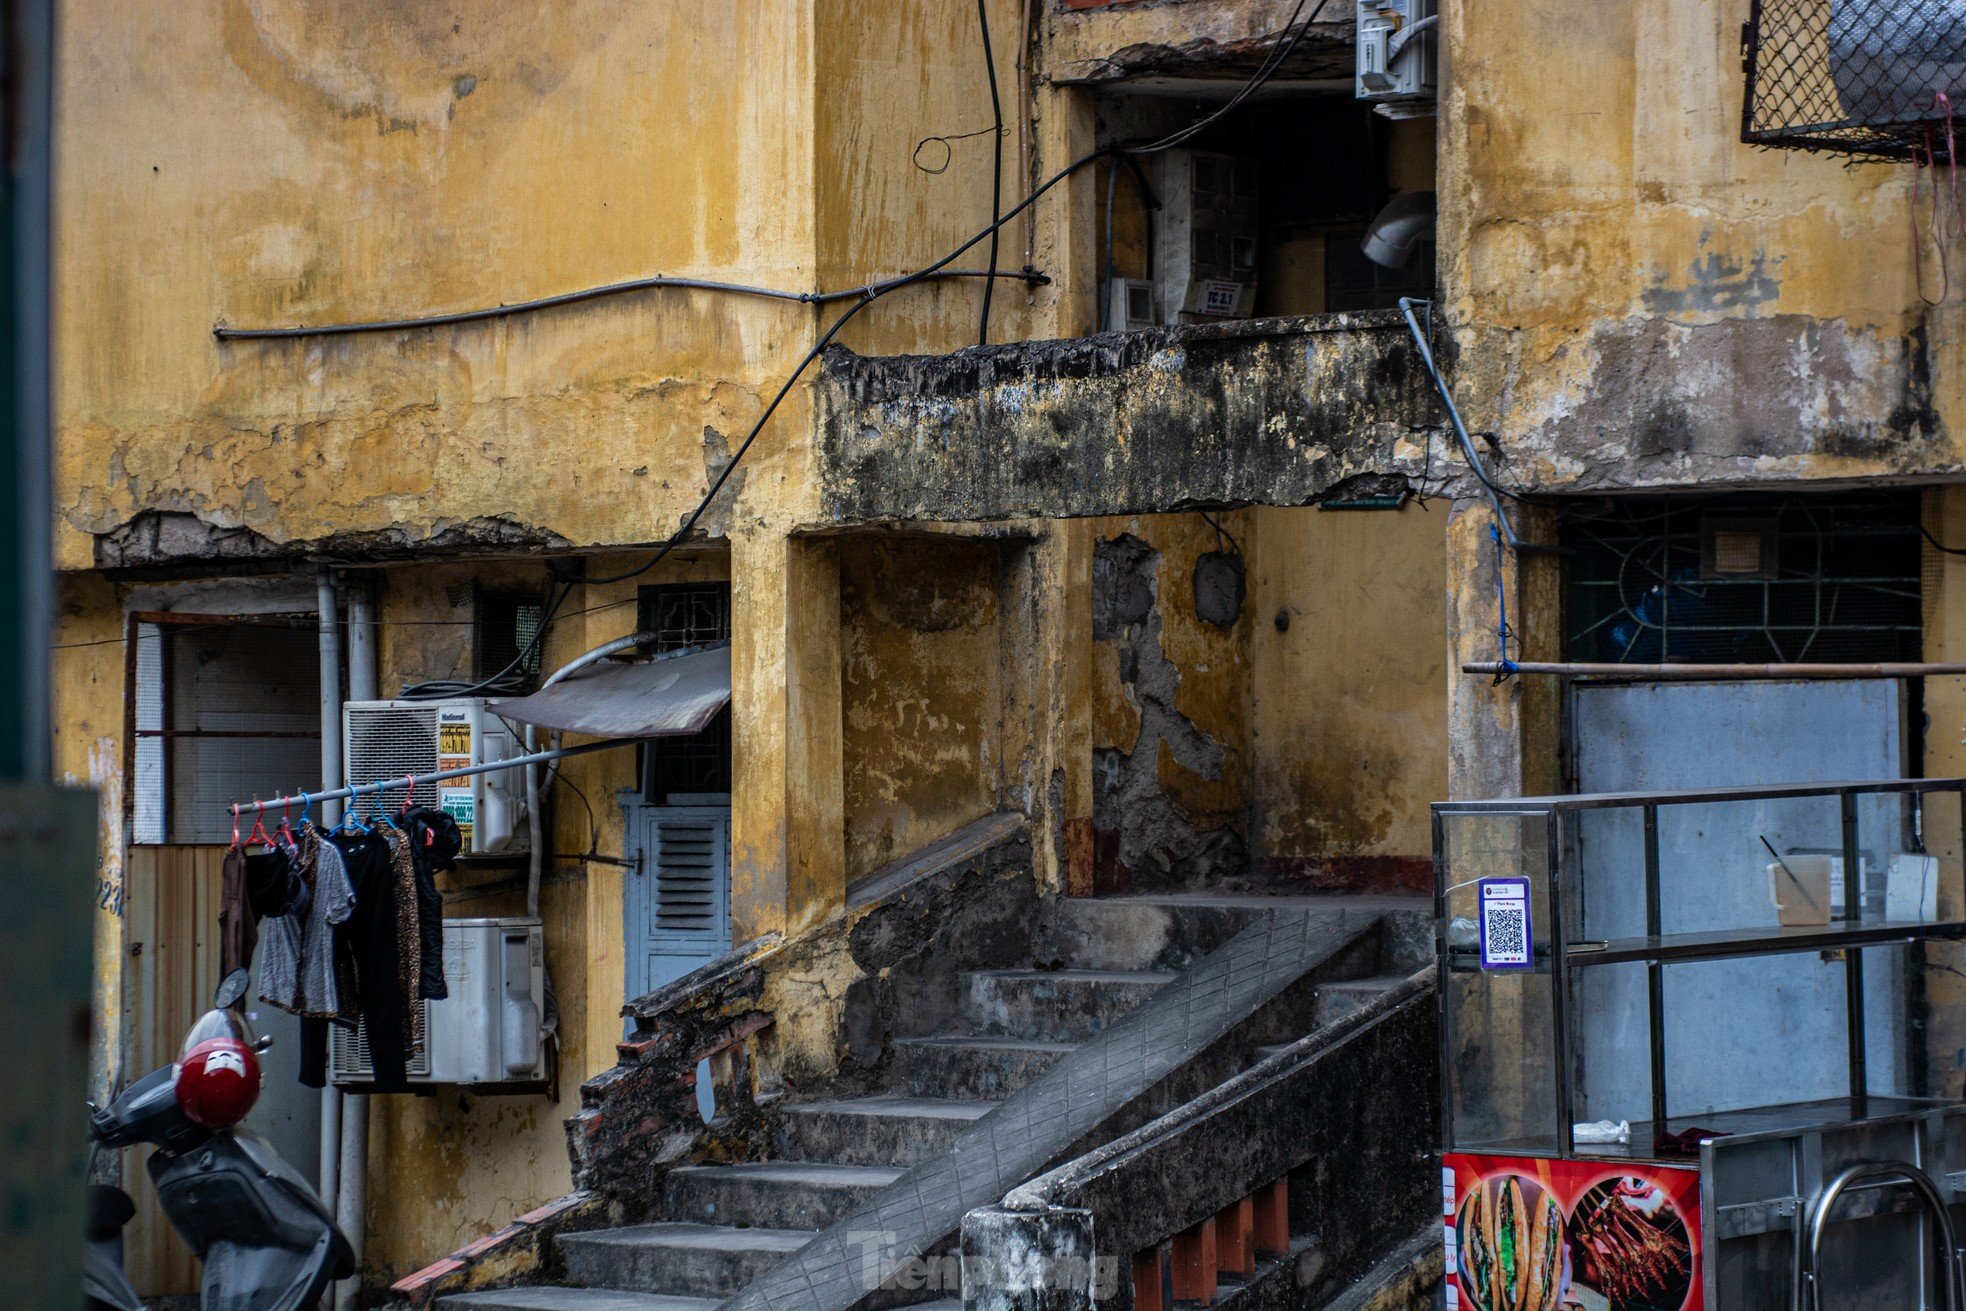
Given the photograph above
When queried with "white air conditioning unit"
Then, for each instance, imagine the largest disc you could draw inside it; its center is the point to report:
(1396, 62)
(1130, 305)
(384, 740)
(1205, 245)
(488, 1030)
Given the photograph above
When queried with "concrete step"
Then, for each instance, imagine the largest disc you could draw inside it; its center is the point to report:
(1172, 932)
(773, 1194)
(1053, 1005)
(571, 1299)
(690, 1260)
(885, 1130)
(986, 1069)
(1344, 997)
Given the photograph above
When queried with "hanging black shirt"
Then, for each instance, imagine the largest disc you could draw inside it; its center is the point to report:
(370, 936)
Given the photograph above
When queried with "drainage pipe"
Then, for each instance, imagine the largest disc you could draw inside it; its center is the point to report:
(330, 621)
(1495, 494)
(1577, 669)
(351, 1206)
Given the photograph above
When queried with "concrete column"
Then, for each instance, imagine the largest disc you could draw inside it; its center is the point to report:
(1502, 738)
(788, 856)
(1047, 704)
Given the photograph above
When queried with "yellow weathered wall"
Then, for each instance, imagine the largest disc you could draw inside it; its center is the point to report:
(922, 691)
(302, 161)
(1945, 756)
(1639, 297)
(1348, 699)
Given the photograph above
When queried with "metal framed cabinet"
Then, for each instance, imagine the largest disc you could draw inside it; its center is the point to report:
(676, 901)
(1686, 1047)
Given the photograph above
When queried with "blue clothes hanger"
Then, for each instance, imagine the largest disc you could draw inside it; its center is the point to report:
(351, 818)
(306, 810)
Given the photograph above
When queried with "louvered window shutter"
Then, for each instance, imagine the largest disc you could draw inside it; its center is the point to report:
(679, 902)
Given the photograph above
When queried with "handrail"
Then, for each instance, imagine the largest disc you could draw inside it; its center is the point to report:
(1698, 796)
(1046, 1189)
(1809, 1256)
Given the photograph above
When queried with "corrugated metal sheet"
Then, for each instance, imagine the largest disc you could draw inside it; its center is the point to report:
(666, 697)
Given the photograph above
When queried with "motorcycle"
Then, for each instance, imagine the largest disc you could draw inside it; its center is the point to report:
(266, 1240)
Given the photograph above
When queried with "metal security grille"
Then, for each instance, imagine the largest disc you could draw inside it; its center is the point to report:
(685, 615)
(1877, 79)
(391, 742)
(1745, 579)
(502, 634)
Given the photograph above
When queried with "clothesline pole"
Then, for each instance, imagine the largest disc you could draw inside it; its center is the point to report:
(236, 809)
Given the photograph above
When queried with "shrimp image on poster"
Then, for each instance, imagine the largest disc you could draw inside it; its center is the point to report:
(1629, 1248)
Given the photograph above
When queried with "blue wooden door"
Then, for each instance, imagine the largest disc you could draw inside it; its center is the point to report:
(677, 903)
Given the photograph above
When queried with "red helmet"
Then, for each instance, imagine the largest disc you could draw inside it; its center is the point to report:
(218, 1076)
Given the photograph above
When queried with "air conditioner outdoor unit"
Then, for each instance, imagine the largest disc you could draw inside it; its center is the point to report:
(488, 1030)
(1396, 63)
(384, 740)
(1130, 305)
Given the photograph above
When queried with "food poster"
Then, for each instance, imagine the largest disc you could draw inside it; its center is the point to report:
(1528, 1234)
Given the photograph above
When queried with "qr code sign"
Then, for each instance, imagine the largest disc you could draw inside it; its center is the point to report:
(1505, 938)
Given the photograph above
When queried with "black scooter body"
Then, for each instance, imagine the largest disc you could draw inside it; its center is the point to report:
(266, 1241)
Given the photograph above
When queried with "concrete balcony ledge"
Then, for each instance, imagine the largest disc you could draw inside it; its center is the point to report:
(1262, 411)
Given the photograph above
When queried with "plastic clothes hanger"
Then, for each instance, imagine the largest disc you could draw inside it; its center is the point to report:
(351, 818)
(306, 811)
(259, 833)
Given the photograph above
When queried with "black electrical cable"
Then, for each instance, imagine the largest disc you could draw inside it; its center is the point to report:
(1938, 545)
(224, 333)
(717, 484)
(443, 689)
(1264, 72)
(996, 169)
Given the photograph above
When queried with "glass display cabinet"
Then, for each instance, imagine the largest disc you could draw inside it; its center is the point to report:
(1704, 1049)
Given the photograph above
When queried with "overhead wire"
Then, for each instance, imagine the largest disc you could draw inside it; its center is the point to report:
(996, 170)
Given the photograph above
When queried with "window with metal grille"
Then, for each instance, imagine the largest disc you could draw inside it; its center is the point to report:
(684, 615)
(504, 627)
(1753, 579)
(224, 711)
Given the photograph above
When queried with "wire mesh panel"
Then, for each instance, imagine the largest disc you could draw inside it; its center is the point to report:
(1876, 79)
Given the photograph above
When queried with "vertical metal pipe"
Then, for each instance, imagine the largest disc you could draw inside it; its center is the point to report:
(331, 773)
(352, 1211)
(330, 622)
(1655, 975)
(361, 642)
(1853, 959)
(331, 812)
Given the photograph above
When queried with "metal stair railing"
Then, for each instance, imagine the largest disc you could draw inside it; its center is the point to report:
(1809, 1253)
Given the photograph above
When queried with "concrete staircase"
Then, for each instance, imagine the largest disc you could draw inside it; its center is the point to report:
(725, 1225)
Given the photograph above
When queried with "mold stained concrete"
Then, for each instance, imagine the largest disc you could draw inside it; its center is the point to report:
(1273, 411)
